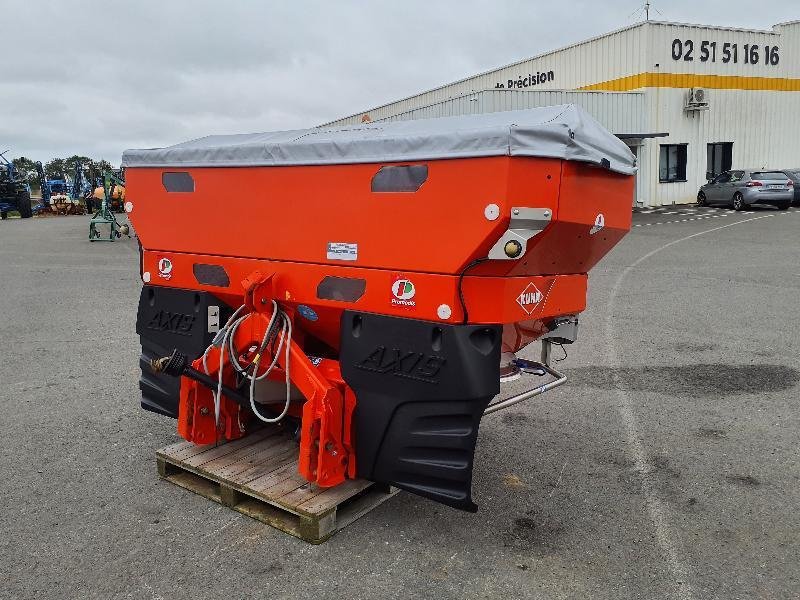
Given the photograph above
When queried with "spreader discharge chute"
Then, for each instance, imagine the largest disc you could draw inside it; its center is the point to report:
(368, 287)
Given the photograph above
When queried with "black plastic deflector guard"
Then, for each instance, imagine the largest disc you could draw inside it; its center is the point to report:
(172, 319)
(421, 389)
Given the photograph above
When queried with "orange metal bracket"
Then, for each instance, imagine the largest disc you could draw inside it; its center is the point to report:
(326, 449)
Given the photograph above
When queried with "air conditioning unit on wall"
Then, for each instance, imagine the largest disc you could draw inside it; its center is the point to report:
(697, 100)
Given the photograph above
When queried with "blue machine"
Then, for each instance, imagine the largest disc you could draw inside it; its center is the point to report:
(46, 194)
(79, 187)
(81, 184)
(14, 193)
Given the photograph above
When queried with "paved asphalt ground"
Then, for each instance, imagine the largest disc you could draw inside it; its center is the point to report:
(666, 468)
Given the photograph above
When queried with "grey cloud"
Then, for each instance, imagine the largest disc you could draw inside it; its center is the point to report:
(95, 77)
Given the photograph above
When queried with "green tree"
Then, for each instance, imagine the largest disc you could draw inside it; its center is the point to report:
(26, 171)
(95, 170)
(102, 165)
(71, 162)
(55, 168)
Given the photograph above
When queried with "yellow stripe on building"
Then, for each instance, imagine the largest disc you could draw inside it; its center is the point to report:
(690, 80)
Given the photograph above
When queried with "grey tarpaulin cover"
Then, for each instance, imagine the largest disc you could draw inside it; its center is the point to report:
(567, 132)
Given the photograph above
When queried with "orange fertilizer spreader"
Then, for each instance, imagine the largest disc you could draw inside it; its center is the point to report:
(368, 287)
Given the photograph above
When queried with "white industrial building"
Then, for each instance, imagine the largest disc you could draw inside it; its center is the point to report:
(690, 100)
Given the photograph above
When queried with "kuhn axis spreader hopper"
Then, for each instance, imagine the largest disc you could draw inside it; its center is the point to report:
(370, 285)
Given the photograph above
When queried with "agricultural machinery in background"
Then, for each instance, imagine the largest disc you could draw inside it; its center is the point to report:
(15, 194)
(113, 192)
(116, 201)
(87, 189)
(61, 196)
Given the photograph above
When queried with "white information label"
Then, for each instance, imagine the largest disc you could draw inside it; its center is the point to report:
(213, 319)
(599, 223)
(342, 251)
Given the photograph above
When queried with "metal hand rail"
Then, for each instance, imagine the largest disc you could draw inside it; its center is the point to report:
(529, 367)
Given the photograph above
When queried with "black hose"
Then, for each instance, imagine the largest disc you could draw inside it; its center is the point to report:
(474, 263)
(177, 364)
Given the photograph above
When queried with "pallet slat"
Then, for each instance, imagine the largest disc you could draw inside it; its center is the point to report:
(322, 503)
(213, 452)
(264, 468)
(261, 462)
(258, 477)
(220, 462)
(268, 480)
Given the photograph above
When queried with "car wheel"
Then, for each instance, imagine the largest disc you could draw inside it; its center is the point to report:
(701, 199)
(3, 215)
(784, 206)
(738, 201)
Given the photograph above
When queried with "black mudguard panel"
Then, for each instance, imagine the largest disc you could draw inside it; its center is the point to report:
(421, 389)
(167, 319)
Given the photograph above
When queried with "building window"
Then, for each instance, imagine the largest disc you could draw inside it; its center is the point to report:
(719, 158)
(672, 163)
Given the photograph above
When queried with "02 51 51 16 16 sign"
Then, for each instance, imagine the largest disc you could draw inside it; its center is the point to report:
(724, 52)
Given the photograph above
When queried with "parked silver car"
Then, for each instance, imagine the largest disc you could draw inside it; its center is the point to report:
(745, 187)
(794, 175)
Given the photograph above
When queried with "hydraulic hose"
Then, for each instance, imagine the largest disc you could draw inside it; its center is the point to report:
(177, 365)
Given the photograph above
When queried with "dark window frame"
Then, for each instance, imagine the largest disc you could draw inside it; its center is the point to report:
(725, 151)
(680, 170)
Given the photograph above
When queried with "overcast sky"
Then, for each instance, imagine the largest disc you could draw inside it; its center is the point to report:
(96, 77)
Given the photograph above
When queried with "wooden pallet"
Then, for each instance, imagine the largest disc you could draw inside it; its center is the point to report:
(257, 476)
